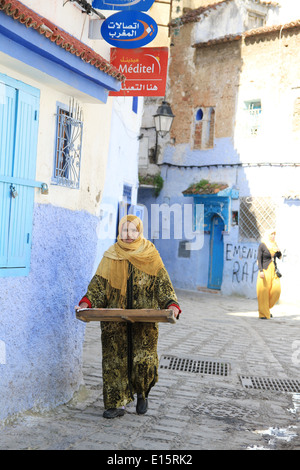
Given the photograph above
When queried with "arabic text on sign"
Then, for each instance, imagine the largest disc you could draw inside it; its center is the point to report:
(129, 29)
(145, 70)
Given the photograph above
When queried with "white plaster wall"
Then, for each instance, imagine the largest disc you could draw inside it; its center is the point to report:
(68, 16)
(232, 18)
(219, 23)
(278, 142)
(289, 10)
(288, 240)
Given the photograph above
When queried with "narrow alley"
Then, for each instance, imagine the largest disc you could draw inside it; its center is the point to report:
(213, 408)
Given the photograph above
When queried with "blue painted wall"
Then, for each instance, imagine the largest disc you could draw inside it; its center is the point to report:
(42, 338)
(239, 257)
(192, 272)
(186, 273)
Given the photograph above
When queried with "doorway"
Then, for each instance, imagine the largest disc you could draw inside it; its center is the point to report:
(216, 250)
(19, 106)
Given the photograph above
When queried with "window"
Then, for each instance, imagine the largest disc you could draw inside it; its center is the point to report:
(253, 117)
(204, 130)
(68, 146)
(182, 250)
(257, 214)
(135, 104)
(255, 20)
(127, 190)
(234, 218)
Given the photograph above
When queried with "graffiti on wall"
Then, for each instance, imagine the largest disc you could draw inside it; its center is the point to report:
(244, 262)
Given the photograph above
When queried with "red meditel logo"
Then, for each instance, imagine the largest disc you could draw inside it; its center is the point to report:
(145, 70)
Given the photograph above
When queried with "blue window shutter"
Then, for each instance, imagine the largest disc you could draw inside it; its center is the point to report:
(24, 167)
(20, 119)
(7, 130)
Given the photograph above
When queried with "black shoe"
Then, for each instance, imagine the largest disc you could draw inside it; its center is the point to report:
(142, 405)
(113, 413)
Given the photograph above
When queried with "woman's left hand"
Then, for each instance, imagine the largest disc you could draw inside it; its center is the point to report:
(175, 310)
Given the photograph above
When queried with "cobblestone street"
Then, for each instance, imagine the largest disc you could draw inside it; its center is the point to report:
(207, 410)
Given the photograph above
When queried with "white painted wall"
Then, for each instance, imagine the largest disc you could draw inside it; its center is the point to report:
(289, 10)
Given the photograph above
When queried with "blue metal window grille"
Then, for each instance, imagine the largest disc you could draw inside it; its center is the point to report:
(68, 147)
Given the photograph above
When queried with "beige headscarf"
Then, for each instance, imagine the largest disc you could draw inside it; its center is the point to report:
(141, 253)
(270, 244)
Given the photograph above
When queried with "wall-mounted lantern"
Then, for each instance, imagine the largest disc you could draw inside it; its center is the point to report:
(163, 119)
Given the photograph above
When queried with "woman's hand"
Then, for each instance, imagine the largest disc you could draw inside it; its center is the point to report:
(175, 310)
(82, 305)
(262, 274)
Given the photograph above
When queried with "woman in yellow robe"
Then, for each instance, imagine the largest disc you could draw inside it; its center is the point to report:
(268, 284)
(130, 275)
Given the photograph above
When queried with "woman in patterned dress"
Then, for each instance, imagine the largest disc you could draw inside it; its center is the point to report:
(130, 275)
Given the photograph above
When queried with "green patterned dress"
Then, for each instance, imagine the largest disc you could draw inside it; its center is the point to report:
(129, 351)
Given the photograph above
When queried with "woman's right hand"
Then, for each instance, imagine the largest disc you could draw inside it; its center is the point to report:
(262, 274)
(82, 305)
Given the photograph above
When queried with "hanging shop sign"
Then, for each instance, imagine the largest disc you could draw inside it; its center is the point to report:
(139, 5)
(145, 70)
(129, 29)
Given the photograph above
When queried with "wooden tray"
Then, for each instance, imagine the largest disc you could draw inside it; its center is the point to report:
(125, 315)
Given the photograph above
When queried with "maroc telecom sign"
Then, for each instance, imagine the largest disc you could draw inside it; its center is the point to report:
(129, 29)
(140, 5)
(145, 70)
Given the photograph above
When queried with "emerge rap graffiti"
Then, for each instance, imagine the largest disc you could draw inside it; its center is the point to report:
(244, 262)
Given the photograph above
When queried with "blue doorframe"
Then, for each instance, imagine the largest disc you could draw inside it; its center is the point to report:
(216, 250)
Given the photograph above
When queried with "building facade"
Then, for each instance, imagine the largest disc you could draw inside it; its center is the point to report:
(231, 75)
(63, 141)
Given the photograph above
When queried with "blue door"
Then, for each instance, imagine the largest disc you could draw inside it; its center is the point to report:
(215, 274)
(18, 137)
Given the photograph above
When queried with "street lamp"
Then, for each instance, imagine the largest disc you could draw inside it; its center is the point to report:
(163, 119)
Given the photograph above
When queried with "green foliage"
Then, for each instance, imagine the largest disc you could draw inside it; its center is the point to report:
(153, 180)
(158, 183)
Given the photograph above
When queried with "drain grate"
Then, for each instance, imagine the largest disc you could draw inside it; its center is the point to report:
(194, 365)
(266, 383)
